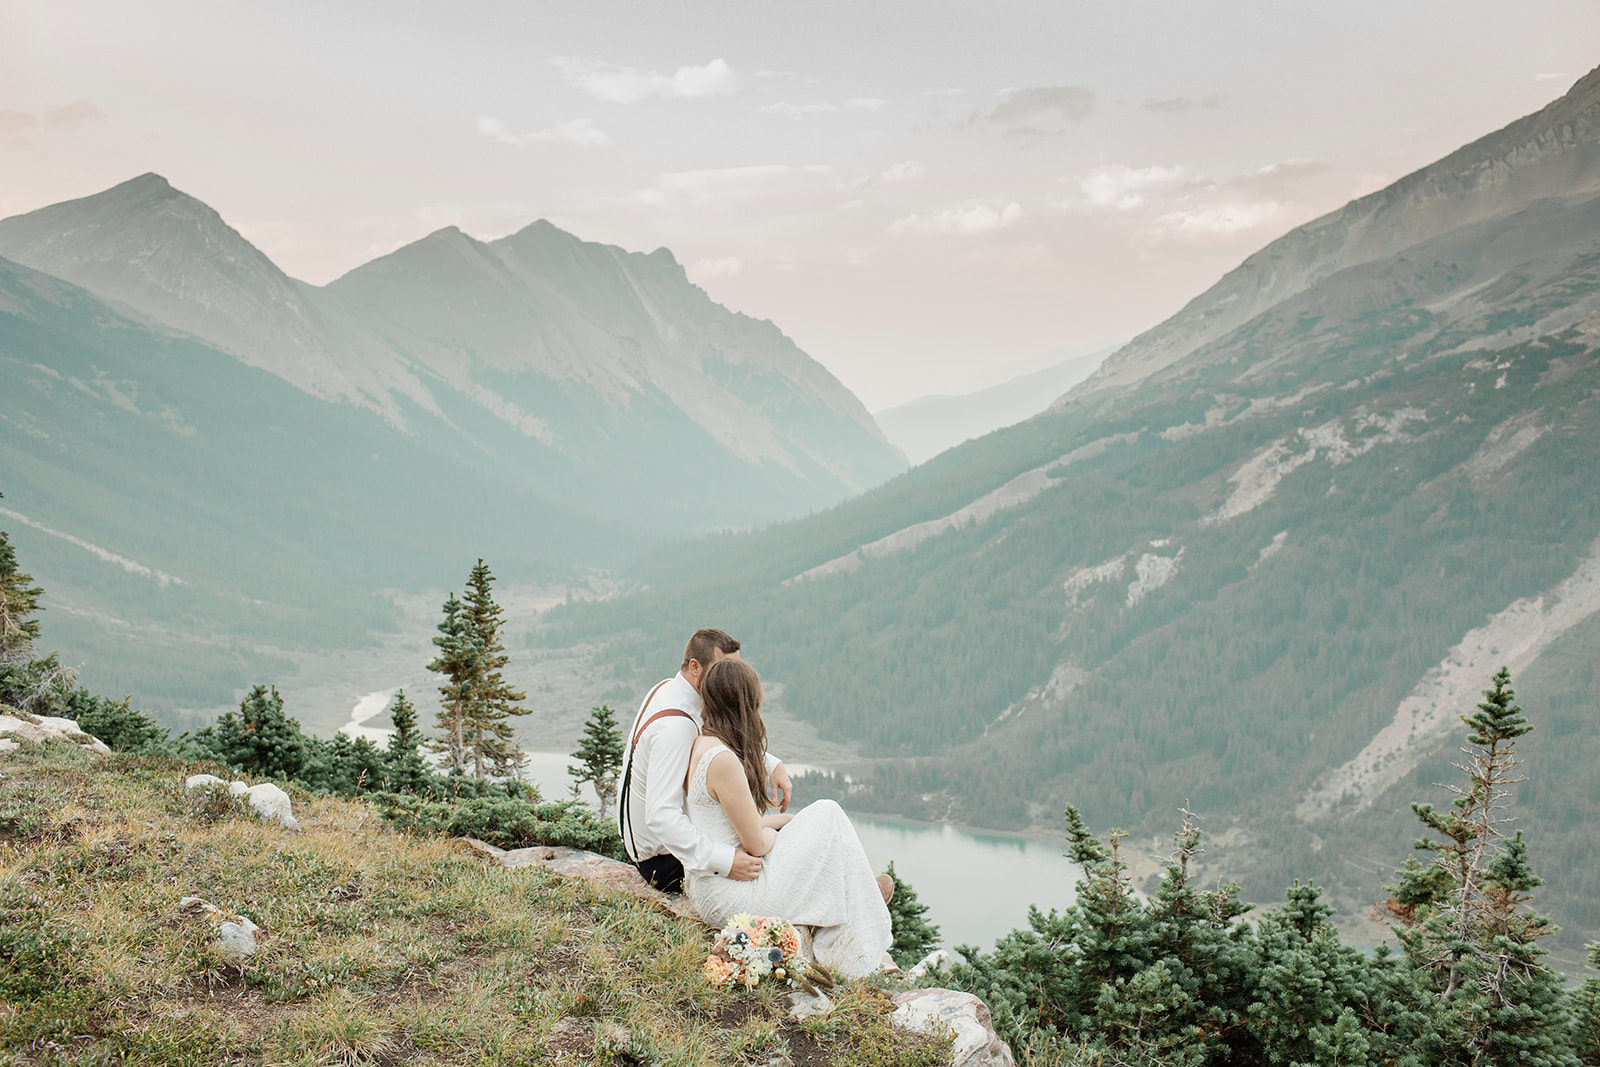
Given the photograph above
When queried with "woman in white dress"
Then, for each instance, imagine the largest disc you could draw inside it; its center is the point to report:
(814, 872)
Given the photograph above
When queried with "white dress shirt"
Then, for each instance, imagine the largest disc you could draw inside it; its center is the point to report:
(655, 796)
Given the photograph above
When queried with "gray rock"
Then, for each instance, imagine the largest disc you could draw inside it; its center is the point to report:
(238, 937)
(271, 802)
(41, 728)
(803, 1005)
(67, 730)
(976, 1044)
(936, 962)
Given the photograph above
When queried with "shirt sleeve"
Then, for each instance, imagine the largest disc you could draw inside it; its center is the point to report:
(670, 744)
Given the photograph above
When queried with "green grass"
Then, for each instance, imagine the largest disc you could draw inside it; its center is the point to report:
(376, 947)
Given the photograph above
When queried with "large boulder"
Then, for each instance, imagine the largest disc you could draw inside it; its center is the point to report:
(976, 1044)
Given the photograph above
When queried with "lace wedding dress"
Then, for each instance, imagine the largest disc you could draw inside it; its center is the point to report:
(816, 875)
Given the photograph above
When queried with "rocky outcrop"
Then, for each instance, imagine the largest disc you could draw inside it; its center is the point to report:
(18, 726)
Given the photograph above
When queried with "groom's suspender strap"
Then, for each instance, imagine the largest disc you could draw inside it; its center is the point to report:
(627, 774)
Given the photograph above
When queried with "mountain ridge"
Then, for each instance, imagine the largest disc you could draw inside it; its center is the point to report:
(1457, 190)
(575, 314)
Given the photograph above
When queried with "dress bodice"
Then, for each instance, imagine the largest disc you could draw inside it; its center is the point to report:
(704, 811)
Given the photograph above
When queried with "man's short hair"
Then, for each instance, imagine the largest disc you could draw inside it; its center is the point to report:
(704, 646)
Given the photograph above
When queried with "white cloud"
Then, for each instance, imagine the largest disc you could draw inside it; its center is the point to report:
(629, 85)
(1125, 188)
(580, 132)
(962, 220)
(797, 111)
(1550, 77)
(906, 171)
(16, 122)
(731, 183)
(77, 113)
(717, 267)
(820, 108)
(1220, 219)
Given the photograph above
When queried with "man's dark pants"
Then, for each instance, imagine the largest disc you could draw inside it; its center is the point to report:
(663, 872)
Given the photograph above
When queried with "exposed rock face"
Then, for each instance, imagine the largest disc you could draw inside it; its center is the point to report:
(19, 726)
(976, 1043)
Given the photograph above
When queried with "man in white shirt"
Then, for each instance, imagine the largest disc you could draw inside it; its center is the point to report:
(656, 831)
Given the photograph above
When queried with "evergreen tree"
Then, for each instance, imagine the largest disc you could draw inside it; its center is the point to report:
(491, 700)
(1465, 923)
(408, 771)
(115, 722)
(259, 739)
(914, 935)
(599, 756)
(19, 598)
(1586, 1015)
(460, 660)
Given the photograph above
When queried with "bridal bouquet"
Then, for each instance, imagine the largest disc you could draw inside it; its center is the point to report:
(751, 948)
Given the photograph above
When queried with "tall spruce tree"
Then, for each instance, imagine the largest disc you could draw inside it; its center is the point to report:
(914, 935)
(492, 700)
(1465, 921)
(599, 756)
(460, 660)
(408, 771)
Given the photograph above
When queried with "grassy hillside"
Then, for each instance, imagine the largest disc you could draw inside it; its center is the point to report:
(376, 947)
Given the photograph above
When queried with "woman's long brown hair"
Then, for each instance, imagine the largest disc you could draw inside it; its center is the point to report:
(731, 712)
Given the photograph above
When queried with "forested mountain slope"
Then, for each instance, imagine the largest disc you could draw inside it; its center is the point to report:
(1266, 580)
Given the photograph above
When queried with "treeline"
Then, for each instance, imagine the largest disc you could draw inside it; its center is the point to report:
(1180, 977)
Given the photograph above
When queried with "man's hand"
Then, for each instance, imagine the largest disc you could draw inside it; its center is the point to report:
(746, 868)
(780, 781)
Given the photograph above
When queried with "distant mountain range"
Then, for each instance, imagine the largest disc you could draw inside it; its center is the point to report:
(1259, 562)
(590, 373)
(926, 426)
(281, 450)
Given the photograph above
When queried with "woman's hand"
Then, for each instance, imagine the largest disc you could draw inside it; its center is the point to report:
(776, 820)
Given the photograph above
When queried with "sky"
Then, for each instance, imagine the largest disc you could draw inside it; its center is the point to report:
(922, 194)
